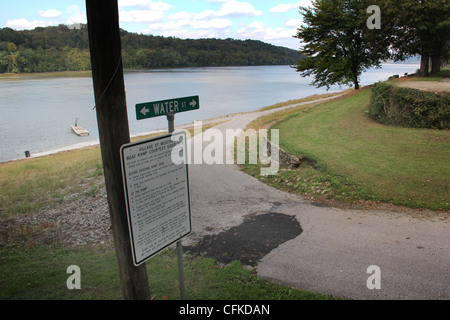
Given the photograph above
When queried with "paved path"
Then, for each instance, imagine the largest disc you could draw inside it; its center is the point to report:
(334, 248)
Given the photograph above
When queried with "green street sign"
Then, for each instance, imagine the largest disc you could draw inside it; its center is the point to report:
(165, 107)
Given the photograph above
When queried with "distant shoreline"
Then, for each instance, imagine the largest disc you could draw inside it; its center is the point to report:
(46, 74)
(88, 73)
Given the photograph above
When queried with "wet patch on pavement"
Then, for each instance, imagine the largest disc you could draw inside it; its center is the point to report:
(250, 241)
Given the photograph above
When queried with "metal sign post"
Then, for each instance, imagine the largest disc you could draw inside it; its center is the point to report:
(171, 125)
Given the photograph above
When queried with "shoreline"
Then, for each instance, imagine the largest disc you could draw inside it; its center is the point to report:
(88, 73)
(50, 74)
(96, 142)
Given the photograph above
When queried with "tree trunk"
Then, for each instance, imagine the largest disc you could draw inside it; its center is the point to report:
(436, 63)
(424, 65)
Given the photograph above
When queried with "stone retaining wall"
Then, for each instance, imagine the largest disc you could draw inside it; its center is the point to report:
(285, 159)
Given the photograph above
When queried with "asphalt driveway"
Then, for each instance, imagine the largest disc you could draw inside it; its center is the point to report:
(326, 250)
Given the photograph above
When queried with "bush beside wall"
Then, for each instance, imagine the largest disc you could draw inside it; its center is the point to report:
(407, 107)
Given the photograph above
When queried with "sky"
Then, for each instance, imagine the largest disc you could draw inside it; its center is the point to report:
(271, 21)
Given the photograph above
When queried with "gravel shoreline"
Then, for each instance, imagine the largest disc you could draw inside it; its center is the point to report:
(76, 221)
(81, 221)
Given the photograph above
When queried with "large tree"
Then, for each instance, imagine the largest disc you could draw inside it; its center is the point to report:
(419, 27)
(338, 43)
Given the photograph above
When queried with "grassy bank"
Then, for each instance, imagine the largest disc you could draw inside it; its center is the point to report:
(40, 274)
(354, 160)
(29, 185)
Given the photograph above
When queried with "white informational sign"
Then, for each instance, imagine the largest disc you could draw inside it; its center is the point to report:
(157, 193)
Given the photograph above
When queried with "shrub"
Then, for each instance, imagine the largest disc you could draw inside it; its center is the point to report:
(409, 107)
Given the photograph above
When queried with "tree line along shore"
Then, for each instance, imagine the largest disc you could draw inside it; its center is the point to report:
(62, 48)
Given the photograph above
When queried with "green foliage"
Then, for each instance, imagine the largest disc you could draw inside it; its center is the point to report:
(409, 107)
(417, 27)
(44, 49)
(63, 49)
(338, 44)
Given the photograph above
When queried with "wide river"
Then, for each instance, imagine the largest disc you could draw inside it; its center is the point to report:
(36, 111)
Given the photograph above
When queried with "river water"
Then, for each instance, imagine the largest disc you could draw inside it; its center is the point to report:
(36, 111)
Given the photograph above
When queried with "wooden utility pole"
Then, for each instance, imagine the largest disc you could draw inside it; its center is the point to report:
(112, 119)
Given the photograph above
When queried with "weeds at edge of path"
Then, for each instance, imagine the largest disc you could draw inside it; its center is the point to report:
(319, 181)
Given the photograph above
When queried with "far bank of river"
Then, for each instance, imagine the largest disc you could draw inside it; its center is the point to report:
(38, 109)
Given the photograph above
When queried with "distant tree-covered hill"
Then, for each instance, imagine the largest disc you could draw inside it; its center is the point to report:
(67, 49)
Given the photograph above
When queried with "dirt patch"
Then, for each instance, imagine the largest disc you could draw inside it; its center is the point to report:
(435, 86)
(250, 241)
(80, 221)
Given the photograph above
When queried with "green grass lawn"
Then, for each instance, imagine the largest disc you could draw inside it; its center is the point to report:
(28, 185)
(40, 273)
(357, 159)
